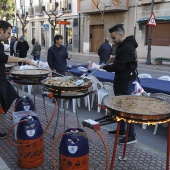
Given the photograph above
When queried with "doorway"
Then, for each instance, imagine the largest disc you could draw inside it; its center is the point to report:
(96, 36)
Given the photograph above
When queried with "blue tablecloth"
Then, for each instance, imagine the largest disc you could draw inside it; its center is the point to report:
(103, 76)
(155, 85)
(150, 85)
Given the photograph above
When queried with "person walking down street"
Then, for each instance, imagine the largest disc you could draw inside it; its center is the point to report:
(22, 48)
(7, 91)
(33, 41)
(57, 56)
(13, 39)
(124, 66)
(104, 52)
(36, 51)
(70, 44)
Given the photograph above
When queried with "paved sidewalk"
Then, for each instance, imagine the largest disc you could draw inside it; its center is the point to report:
(139, 156)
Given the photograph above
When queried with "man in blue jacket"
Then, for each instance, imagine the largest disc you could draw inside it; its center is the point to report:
(104, 52)
(57, 55)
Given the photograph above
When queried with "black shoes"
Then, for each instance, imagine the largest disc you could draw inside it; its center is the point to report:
(131, 139)
(3, 135)
(114, 133)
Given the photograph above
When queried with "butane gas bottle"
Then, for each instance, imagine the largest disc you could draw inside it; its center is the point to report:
(24, 103)
(74, 150)
(31, 133)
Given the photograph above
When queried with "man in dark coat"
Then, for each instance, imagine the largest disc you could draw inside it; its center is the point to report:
(22, 48)
(104, 52)
(124, 66)
(57, 55)
(13, 39)
(7, 92)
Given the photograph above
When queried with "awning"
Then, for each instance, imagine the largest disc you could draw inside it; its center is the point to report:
(162, 19)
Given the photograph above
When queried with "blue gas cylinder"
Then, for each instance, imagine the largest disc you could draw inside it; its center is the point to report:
(31, 143)
(74, 150)
(24, 103)
(30, 129)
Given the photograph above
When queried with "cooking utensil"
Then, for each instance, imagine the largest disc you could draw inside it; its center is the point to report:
(40, 67)
(79, 82)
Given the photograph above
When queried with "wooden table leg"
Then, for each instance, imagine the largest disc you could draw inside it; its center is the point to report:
(168, 147)
(115, 145)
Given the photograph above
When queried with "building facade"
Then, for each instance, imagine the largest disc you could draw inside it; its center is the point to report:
(90, 20)
(134, 14)
(39, 26)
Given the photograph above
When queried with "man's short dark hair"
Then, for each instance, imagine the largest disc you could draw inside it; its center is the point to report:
(118, 28)
(57, 37)
(5, 25)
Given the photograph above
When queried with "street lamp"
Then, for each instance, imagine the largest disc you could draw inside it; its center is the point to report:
(148, 60)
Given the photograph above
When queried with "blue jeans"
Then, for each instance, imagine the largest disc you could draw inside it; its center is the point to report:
(37, 57)
(130, 89)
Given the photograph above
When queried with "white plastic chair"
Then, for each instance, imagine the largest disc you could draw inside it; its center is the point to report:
(163, 97)
(167, 78)
(95, 86)
(144, 75)
(104, 92)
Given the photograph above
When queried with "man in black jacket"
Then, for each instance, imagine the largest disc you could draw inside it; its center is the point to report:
(124, 66)
(7, 92)
(104, 52)
(57, 55)
(22, 48)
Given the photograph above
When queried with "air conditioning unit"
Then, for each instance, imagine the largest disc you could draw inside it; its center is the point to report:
(30, 11)
(38, 10)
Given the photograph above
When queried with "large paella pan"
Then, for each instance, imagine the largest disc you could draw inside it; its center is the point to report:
(67, 83)
(29, 73)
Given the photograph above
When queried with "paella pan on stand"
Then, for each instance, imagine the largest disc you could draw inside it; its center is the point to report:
(139, 108)
(67, 83)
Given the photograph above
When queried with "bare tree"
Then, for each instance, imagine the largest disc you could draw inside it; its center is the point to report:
(56, 16)
(23, 20)
(101, 5)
